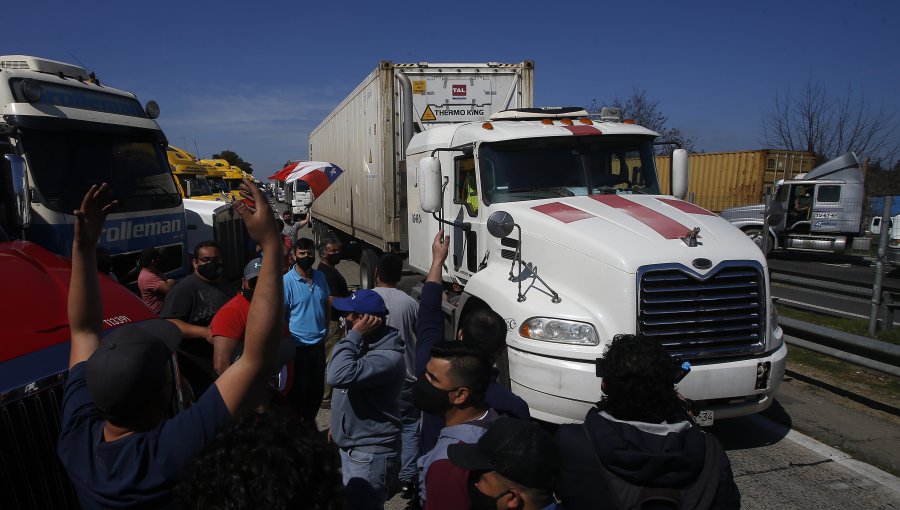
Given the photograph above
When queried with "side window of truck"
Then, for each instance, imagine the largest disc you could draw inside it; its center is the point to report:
(828, 194)
(466, 189)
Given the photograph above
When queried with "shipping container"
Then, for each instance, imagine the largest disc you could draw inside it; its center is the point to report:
(719, 180)
(366, 136)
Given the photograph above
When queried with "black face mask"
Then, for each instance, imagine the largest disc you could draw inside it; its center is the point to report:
(430, 399)
(248, 293)
(333, 258)
(306, 263)
(212, 270)
(480, 500)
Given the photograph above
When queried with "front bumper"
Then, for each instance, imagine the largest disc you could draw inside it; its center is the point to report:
(562, 390)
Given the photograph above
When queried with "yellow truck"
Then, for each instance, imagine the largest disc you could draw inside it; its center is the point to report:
(190, 175)
(232, 175)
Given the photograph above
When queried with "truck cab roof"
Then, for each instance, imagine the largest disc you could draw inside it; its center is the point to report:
(501, 130)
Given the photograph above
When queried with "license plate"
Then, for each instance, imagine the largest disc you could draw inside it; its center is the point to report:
(704, 418)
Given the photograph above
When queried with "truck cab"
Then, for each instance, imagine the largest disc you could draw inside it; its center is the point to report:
(558, 224)
(67, 132)
(190, 175)
(819, 211)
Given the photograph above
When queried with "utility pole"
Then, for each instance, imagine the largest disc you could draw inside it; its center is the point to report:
(879, 264)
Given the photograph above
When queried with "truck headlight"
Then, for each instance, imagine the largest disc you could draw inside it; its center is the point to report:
(559, 331)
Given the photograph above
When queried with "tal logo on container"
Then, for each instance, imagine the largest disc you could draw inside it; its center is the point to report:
(459, 90)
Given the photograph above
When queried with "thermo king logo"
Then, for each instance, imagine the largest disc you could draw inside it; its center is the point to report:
(459, 90)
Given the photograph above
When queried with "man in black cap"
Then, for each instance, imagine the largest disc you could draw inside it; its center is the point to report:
(115, 442)
(515, 464)
(229, 324)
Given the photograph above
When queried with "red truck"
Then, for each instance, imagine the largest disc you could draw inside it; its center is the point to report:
(34, 360)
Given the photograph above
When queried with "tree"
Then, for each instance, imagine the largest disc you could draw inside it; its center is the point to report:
(645, 112)
(829, 126)
(234, 160)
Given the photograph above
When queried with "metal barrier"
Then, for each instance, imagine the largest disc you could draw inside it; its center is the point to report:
(864, 351)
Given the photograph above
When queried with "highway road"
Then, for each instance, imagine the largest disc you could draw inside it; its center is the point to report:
(827, 465)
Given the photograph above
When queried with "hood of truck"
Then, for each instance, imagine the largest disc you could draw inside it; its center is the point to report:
(627, 232)
(34, 305)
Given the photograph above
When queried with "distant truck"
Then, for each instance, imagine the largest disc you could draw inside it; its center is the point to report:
(893, 249)
(820, 211)
(556, 222)
(62, 131)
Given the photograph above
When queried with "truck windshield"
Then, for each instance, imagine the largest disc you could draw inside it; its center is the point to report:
(566, 166)
(218, 184)
(199, 185)
(64, 164)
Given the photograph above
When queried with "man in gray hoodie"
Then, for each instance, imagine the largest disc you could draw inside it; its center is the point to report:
(367, 371)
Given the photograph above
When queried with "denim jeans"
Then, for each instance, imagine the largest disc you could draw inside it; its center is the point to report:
(411, 418)
(368, 477)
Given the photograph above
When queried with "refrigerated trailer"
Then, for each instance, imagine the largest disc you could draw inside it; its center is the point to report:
(367, 133)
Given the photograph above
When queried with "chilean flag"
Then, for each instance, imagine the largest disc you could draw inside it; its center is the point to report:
(318, 174)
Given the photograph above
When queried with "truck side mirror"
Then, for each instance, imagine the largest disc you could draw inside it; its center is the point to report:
(500, 224)
(429, 178)
(18, 189)
(774, 213)
(679, 173)
(187, 189)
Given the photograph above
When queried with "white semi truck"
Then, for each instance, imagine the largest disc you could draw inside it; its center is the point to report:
(557, 222)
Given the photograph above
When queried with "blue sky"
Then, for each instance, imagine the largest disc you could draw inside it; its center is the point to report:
(256, 77)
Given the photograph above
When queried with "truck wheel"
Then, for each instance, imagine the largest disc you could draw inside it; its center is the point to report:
(367, 262)
(319, 232)
(756, 235)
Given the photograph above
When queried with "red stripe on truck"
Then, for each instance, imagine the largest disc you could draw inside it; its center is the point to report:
(583, 130)
(562, 212)
(665, 226)
(687, 207)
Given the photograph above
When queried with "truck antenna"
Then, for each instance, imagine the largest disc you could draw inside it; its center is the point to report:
(79, 62)
(196, 149)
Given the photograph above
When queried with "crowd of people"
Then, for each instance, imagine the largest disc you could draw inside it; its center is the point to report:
(412, 412)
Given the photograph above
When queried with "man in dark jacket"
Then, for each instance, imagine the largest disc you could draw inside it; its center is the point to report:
(367, 371)
(644, 439)
(483, 328)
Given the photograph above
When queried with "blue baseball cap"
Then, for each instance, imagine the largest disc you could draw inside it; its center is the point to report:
(363, 301)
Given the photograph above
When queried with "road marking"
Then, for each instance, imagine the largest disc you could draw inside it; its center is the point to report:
(838, 457)
(826, 309)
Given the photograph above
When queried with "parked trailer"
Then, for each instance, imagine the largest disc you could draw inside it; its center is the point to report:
(719, 180)
(367, 133)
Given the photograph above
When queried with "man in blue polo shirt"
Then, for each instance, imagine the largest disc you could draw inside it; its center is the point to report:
(307, 307)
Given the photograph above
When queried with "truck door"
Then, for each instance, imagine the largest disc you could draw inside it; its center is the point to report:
(465, 208)
(828, 210)
(799, 207)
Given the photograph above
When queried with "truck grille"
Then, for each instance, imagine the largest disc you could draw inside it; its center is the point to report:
(125, 265)
(231, 234)
(31, 475)
(693, 316)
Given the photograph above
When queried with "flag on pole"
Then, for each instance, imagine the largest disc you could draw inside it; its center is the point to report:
(319, 175)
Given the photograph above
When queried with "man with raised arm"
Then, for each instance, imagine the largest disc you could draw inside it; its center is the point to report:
(116, 441)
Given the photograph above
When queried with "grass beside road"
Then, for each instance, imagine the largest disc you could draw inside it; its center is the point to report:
(854, 326)
(862, 381)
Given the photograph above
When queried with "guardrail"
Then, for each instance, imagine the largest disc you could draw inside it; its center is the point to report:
(863, 351)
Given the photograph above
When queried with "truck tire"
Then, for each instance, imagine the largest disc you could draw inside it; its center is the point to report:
(755, 234)
(319, 232)
(368, 259)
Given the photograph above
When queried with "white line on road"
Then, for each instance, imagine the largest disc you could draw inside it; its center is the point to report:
(838, 457)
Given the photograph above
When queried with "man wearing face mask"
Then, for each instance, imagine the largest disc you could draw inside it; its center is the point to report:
(191, 305)
(452, 386)
(229, 324)
(515, 464)
(306, 297)
(329, 257)
(366, 372)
